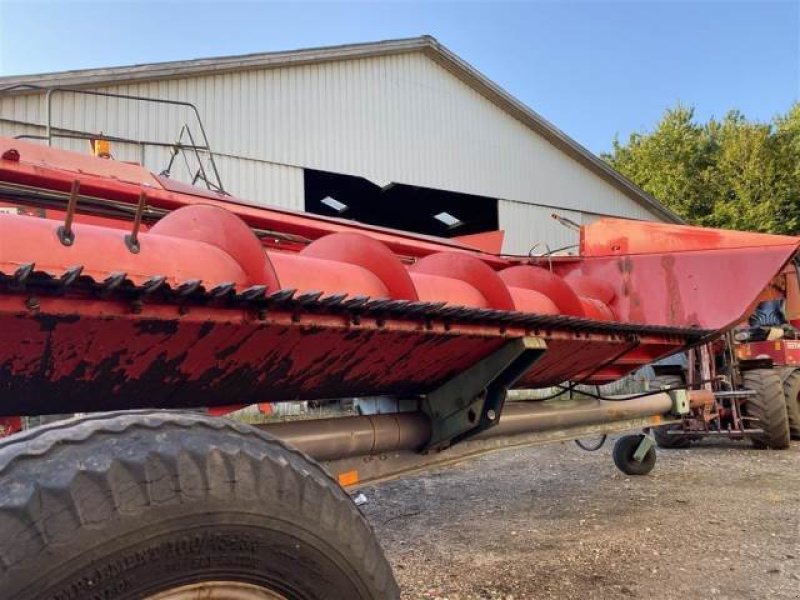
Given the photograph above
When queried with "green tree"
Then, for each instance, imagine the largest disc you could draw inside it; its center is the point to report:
(787, 133)
(730, 173)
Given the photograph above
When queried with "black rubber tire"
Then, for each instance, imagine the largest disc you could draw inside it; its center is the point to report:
(769, 407)
(791, 392)
(670, 441)
(625, 448)
(127, 505)
(663, 439)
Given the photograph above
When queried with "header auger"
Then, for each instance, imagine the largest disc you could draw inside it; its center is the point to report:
(122, 290)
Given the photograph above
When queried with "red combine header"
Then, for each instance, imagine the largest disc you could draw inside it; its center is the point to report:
(198, 299)
(120, 289)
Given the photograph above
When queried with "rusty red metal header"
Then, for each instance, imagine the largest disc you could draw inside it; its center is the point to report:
(201, 310)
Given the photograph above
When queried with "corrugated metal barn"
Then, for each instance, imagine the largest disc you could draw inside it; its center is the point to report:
(394, 132)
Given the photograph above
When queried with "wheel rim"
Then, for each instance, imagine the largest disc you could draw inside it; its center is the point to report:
(218, 590)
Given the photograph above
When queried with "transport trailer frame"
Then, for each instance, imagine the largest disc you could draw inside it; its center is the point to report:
(368, 448)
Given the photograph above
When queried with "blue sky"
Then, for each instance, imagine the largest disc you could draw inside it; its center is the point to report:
(594, 68)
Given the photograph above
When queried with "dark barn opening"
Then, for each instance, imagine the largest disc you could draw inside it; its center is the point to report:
(410, 208)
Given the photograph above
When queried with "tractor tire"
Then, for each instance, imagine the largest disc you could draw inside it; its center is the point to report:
(663, 438)
(157, 505)
(791, 392)
(769, 407)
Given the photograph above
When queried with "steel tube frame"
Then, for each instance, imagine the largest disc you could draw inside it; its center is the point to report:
(531, 417)
(352, 472)
(348, 437)
(334, 438)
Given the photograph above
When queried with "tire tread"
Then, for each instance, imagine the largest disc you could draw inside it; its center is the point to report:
(769, 407)
(53, 509)
(791, 391)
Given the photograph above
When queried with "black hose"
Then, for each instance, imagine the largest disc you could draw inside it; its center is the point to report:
(599, 445)
(570, 388)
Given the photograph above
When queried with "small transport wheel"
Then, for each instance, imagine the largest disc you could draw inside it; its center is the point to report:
(791, 391)
(768, 406)
(664, 439)
(160, 505)
(624, 450)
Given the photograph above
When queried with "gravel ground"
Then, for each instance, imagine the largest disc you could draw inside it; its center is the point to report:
(718, 521)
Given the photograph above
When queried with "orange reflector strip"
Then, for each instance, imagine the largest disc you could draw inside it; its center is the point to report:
(347, 478)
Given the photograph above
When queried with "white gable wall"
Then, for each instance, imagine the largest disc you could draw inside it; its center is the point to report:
(401, 118)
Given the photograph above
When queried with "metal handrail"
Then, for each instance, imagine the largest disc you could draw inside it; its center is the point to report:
(51, 91)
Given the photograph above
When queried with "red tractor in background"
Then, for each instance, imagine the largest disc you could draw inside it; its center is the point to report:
(754, 372)
(10, 425)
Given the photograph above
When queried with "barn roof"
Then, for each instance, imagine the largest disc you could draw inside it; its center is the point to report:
(265, 60)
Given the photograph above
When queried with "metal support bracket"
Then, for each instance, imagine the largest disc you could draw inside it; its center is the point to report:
(472, 401)
(680, 402)
(646, 443)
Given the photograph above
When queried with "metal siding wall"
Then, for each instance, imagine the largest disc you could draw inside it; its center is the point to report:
(256, 181)
(589, 218)
(14, 129)
(527, 225)
(397, 118)
(263, 184)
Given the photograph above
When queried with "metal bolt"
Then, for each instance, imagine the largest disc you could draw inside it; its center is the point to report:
(491, 415)
(32, 303)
